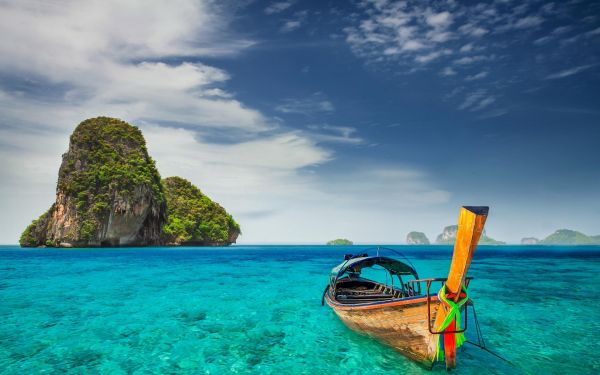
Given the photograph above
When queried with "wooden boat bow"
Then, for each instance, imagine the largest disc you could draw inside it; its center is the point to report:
(424, 327)
(471, 221)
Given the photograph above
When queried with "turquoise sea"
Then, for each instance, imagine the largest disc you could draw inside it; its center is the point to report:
(257, 310)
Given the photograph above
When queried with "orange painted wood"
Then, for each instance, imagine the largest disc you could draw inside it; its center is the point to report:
(470, 227)
(471, 221)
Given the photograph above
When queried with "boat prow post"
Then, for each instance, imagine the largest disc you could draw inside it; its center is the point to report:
(471, 221)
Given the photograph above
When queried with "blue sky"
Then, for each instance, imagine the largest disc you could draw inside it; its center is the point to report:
(315, 120)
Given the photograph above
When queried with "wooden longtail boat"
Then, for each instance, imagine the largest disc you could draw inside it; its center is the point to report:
(422, 326)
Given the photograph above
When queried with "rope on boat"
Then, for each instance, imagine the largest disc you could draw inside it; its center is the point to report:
(477, 326)
(481, 343)
(453, 315)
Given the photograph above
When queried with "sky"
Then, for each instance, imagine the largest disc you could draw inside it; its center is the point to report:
(313, 120)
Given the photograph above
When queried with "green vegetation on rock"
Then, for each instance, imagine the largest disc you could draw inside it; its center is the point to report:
(33, 234)
(106, 156)
(109, 193)
(193, 218)
(570, 237)
(340, 241)
(485, 240)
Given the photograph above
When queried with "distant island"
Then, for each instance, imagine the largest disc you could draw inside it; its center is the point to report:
(109, 193)
(340, 241)
(417, 238)
(570, 237)
(448, 237)
(529, 241)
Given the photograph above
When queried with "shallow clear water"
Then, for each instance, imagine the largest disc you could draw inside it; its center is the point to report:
(253, 309)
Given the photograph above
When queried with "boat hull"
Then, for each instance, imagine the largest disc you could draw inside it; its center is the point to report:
(402, 324)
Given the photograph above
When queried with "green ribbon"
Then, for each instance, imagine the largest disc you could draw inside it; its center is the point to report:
(453, 313)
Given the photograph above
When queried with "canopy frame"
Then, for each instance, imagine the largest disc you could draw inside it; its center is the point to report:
(356, 264)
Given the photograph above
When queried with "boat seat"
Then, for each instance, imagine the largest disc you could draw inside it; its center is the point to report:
(364, 296)
(354, 291)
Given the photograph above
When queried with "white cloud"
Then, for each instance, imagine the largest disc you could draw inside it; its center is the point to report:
(477, 100)
(448, 71)
(93, 62)
(270, 189)
(291, 25)
(473, 30)
(99, 65)
(295, 22)
(439, 20)
(467, 48)
(99, 50)
(316, 103)
(562, 30)
(91, 33)
(278, 7)
(432, 56)
(477, 76)
(470, 60)
(529, 21)
(335, 134)
(412, 45)
(542, 40)
(570, 71)
(593, 32)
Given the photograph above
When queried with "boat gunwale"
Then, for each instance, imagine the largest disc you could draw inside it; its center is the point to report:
(331, 301)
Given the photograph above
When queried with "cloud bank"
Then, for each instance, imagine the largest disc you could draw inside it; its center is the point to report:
(142, 62)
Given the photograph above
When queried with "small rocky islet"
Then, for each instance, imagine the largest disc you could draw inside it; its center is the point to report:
(110, 194)
(417, 238)
(340, 242)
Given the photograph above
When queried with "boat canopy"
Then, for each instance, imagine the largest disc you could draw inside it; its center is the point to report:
(355, 265)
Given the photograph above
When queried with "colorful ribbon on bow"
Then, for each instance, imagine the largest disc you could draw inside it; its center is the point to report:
(453, 313)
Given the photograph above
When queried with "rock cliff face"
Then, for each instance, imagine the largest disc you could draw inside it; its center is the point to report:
(194, 219)
(417, 238)
(529, 241)
(109, 192)
(448, 237)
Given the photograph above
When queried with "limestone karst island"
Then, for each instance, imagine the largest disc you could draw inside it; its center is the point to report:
(109, 194)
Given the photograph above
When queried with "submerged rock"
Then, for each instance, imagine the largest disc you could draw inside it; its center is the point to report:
(109, 192)
(194, 219)
(417, 238)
